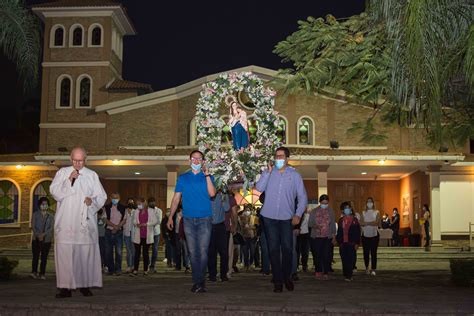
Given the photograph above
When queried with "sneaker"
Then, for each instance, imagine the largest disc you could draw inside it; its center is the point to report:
(151, 270)
(224, 279)
(325, 277)
(373, 273)
(118, 273)
(318, 275)
(212, 279)
(63, 293)
(187, 270)
(236, 270)
(105, 269)
(145, 273)
(348, 279)
(34, 275)
(134, 273)
(165, 260)
(42, 277)
(295, 277)
(367, 271)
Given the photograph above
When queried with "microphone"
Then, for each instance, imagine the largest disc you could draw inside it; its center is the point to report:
(74, 179)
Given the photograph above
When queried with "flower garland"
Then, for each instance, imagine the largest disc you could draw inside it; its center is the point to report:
(226, 164)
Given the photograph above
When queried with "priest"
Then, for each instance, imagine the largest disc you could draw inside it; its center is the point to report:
(79, 195)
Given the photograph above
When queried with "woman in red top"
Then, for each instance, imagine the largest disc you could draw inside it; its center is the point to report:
(348, 237)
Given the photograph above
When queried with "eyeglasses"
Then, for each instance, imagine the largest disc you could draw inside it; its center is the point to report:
(196, 159)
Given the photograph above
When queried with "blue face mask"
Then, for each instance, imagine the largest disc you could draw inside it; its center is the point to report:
(196, 167)
(324, 206)
(347, 211)
(279, 163)
(115, 201)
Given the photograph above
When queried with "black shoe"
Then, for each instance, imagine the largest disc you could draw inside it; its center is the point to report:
(295, 277)
(187, 270)
(236, 270)
(278, 288)
(290, 286)
(224, 279)
(85, 291)
(331, 269)
(194, 288)
(305, 269)
(64, 293)
(212, 279)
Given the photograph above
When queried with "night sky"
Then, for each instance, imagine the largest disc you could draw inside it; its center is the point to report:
(178, 41)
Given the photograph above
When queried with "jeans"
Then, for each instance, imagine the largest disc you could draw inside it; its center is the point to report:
(146, 255)
(265, 256)
(198, 236)
(39, 248)
(130, 251)
(294, 257)
(279, 235)
(218, 244)
(320, 248)
(169, 251)
(248, 249)
(113, 242)
(347, 252)
(302, 249)
(154, 251)
(370, 245)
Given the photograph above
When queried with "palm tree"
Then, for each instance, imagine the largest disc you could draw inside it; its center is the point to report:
(20, 40)
(412, 60)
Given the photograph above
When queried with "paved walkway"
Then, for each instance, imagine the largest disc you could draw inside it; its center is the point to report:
(168, 293)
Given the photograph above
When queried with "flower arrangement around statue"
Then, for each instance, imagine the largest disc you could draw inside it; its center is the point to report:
(244, 160)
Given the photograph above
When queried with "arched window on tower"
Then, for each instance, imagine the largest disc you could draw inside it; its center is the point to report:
(77, 36)
(305, 131)
(84, 91)
(96, 36)
(65, 92)
(59, 37)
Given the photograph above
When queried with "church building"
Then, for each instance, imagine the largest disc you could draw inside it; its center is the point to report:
(138, 141)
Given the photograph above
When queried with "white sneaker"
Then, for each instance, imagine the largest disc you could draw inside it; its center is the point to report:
(42, 277)
(165, 260)
(373, 273)
(33, 275)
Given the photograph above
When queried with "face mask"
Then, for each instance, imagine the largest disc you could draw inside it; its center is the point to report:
(347, 211)
(279, 163)
(115, 201)
(140, 206)
(196, 167)
(370, 205)
(44, 207)
(324, 206)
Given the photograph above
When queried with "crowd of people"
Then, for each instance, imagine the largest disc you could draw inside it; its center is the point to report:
(201, 225)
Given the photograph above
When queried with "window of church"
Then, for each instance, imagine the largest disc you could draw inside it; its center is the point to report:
(281, 130)
(65, 93)
(9, 200)
(96, 39)
(59, 37)
(305, 131)
(42, 190)
(85, 92)
(77, 36)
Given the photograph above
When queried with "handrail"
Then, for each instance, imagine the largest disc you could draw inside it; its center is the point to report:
(471, 242)
(15, 235)
(16, 223)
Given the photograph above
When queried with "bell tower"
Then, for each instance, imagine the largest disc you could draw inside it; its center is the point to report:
(82, 56)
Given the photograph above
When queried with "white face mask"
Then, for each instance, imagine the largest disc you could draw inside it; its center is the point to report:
(43, 207)
(140, 206)
(247, 213)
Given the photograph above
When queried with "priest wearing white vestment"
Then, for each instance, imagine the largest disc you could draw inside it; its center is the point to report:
(79, 195)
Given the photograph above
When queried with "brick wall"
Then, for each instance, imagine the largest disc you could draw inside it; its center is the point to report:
(87, 137)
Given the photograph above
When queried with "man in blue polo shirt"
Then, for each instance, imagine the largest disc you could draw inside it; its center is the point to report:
(196, 188)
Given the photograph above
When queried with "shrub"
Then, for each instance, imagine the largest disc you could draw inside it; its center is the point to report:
(6, 267)
(462, 271)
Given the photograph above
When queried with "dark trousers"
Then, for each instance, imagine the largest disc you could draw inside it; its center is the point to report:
(181, 254)
(248, 249)
(39, 248)
(302, 249)
(347, 252)
(146, 256)
(395, 238)
(320, 249)
(169, 251)
(256, 255)
(279, 235)
(426, 227)
(370, 245)
(219, 244)
(102, 250)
